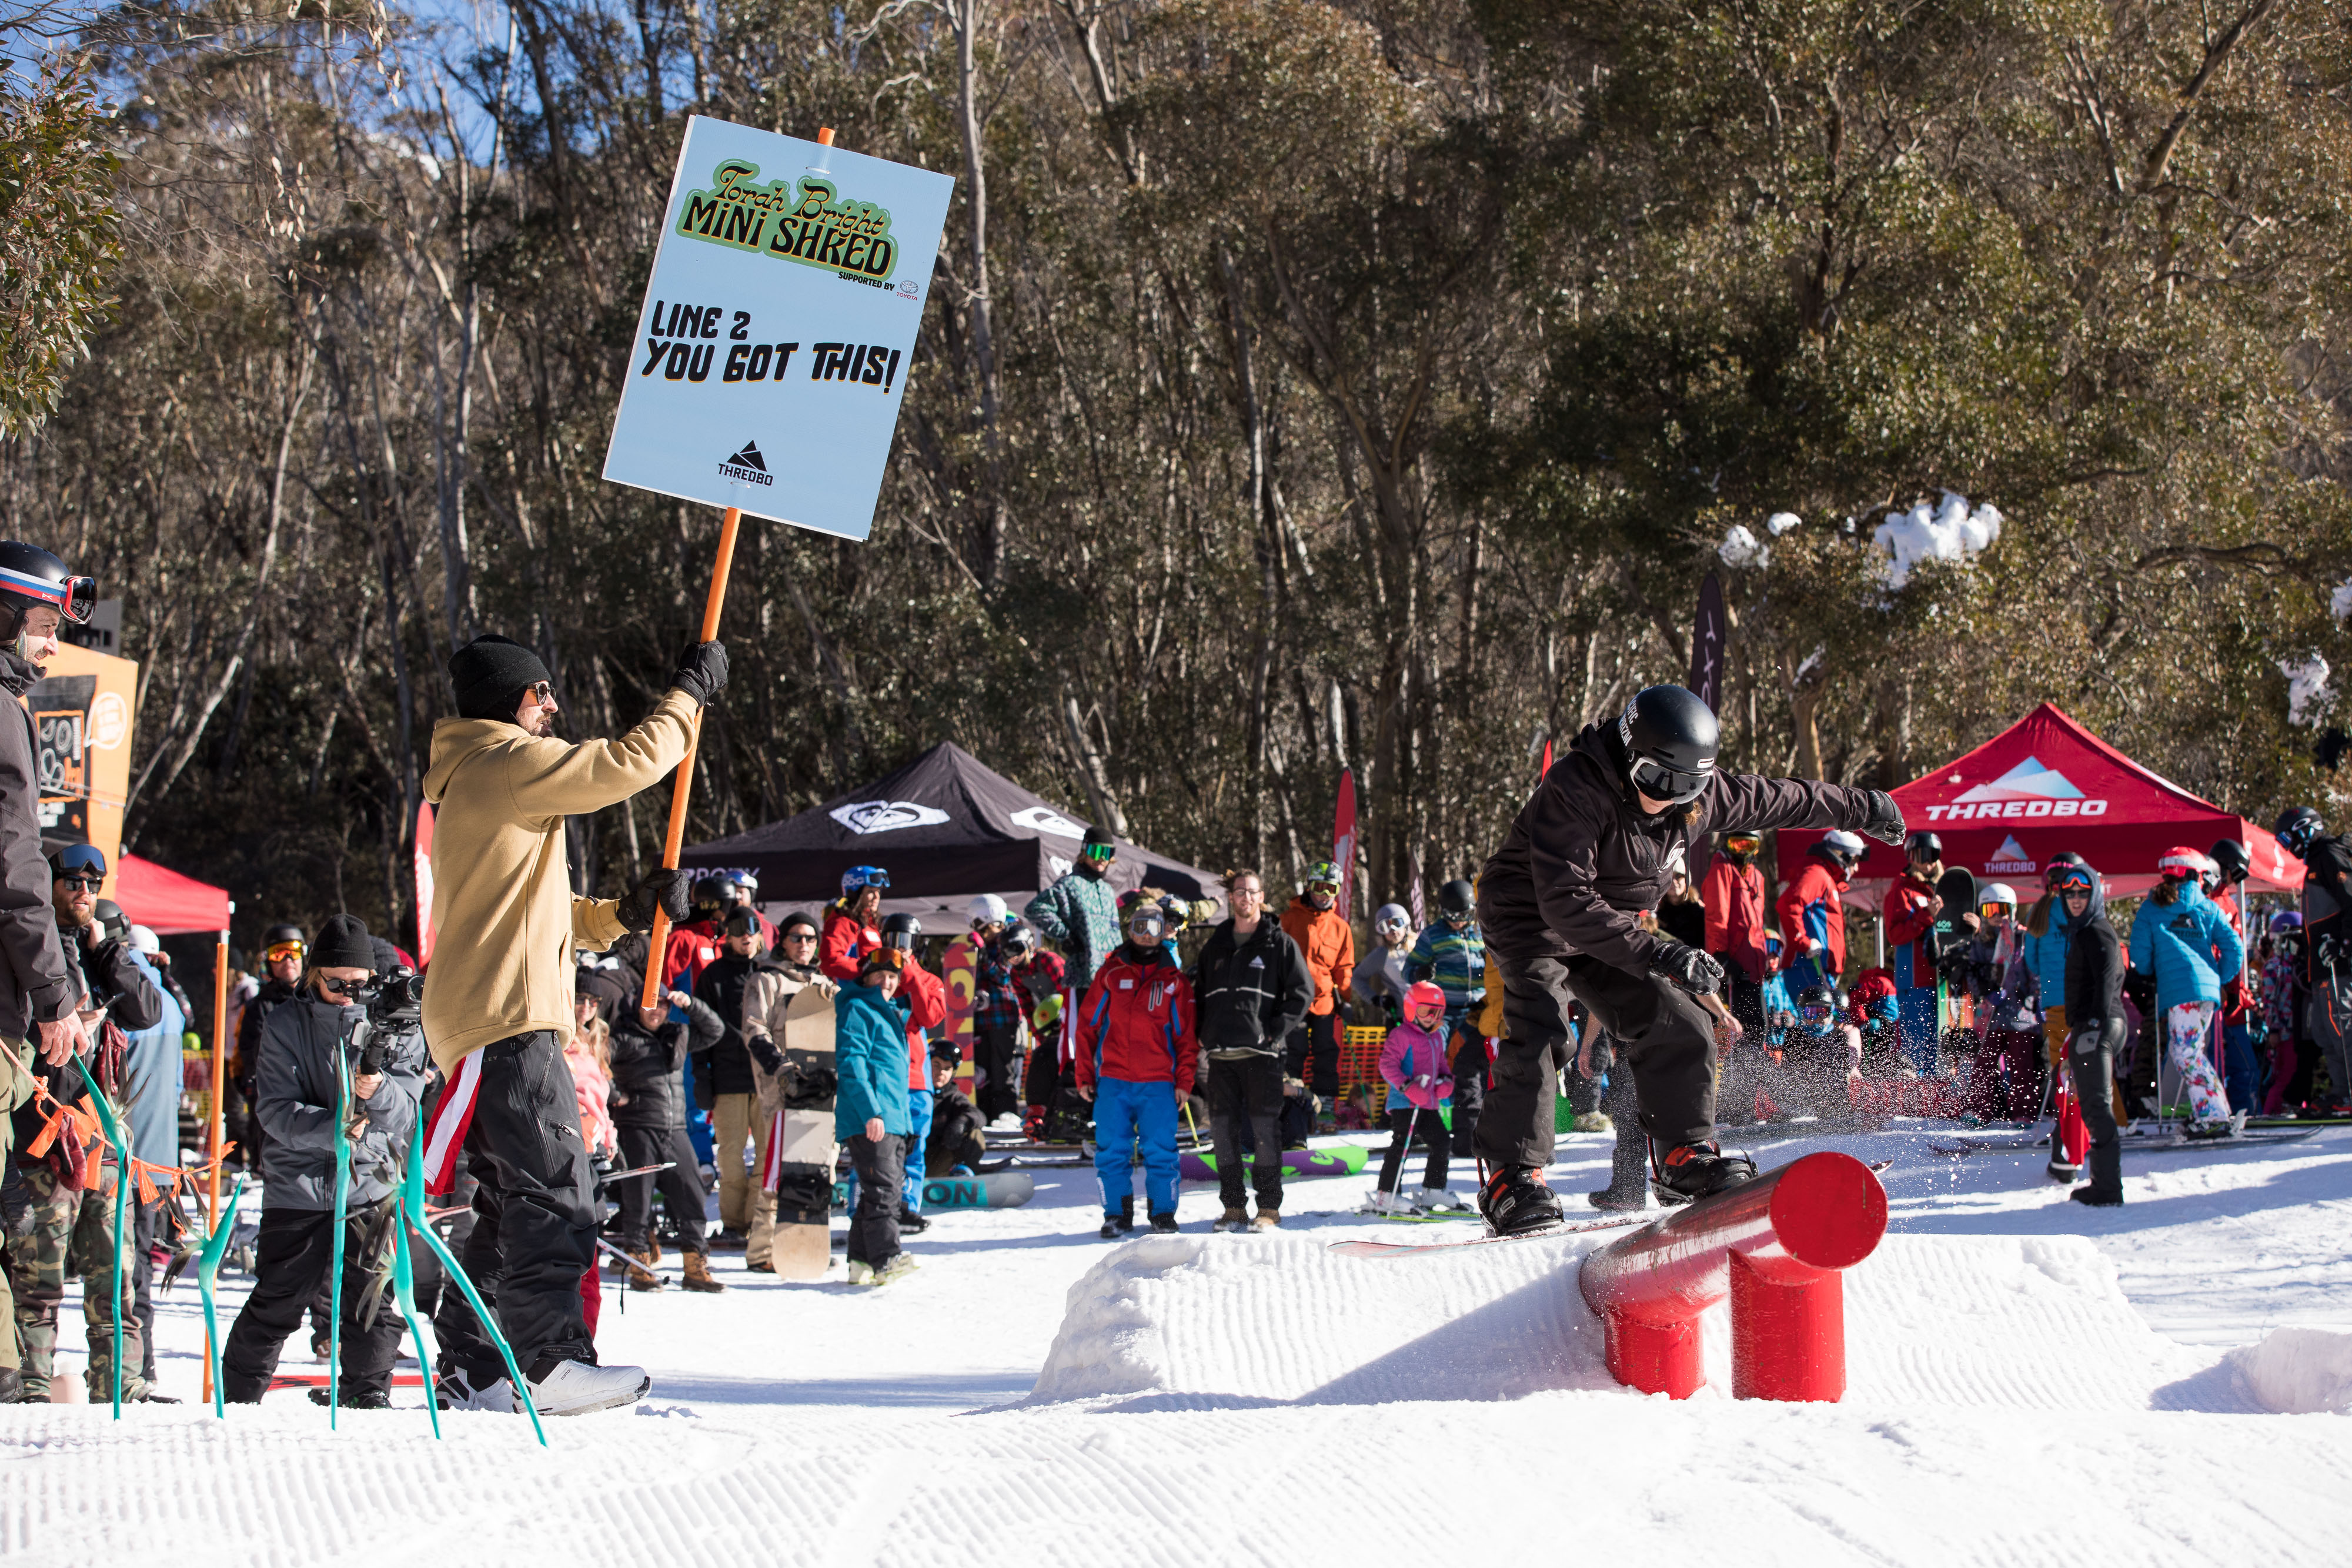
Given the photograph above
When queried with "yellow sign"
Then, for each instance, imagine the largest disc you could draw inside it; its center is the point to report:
(82, 710)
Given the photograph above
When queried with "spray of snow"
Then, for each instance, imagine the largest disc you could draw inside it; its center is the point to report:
(2307, 696)
(2298, 1372)
(1741, 548)
(1950, 530)
(2339, 603)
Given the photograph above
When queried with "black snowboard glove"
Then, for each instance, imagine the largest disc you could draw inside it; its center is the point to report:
(1692, 968)
(701, 671)
(664, 889)
(1885, 823)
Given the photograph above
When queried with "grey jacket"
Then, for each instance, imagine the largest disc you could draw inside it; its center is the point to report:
(295, 1086)
(34, 986)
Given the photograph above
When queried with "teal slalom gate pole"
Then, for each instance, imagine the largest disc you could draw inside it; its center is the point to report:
(411, 1201)
(207, 1273)
(473, 1297)
(342, 1212)
(115, 1136)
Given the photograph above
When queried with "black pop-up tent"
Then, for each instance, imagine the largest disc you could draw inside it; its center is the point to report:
(947, 829)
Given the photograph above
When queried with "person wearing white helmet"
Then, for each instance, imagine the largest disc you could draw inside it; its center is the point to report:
(1380, 983)
(995, 1013)
(2005, 1072)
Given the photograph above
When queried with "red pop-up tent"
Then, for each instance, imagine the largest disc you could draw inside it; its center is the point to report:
(167, 903)
(2046, 784)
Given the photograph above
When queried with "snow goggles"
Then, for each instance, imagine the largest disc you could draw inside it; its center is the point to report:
(1660, 782)
(1149, 922)
(279, 952)
(1816, 1013)
(76, 598)
(1996, 911)
(1098, 854)
(2070, 879)
(1742, 844)
(1393, 924)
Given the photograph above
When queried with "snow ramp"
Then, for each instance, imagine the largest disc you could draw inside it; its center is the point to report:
(1219, 1322)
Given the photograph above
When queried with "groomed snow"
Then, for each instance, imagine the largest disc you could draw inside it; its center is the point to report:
(2031, 1383)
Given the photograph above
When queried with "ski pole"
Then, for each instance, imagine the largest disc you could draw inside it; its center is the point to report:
(207, 1273)
(440, 1249)
(342, 1210)
(675, 836)
(408, 1200)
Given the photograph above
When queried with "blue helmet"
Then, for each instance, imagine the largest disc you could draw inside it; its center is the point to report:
(862, 876)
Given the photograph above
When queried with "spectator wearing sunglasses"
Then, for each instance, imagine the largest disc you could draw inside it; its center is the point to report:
(1381, 983)
(500, 1004)
(71, 1213)
(308, 1050)
(283, 950)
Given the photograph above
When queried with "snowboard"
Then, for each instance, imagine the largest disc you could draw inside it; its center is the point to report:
(2164, 1144)
(804, 1155)
(999, 1189)
(1348, 1159)
(1957, 889)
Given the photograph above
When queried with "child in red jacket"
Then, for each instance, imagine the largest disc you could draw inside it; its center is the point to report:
(1135, 1058)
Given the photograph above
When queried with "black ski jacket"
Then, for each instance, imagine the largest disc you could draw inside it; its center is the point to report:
(273, 994)
(1582, 860)
(2326, 896)
(296, 1094)
(110, 975)
(649, 1069)
(34, 985)
(2095, 973)
(1248, 994)
(727, 1061)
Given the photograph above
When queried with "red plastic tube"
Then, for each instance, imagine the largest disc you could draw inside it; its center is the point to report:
(1778, 1246)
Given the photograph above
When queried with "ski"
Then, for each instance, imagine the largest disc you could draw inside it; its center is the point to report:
(2168, 1143)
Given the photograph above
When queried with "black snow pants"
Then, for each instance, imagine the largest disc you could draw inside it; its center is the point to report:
(1246, 1105)
(1661, 1032)
(2091, 1055)
(296, 1251)
(680, 1188)
(535, 1223)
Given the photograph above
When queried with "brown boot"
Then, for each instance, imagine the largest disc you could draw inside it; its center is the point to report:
(1267, 1219)
(652, 1248)
(697, 1274)
(644, 1278)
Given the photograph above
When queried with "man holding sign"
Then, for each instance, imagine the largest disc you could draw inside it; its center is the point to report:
(499, 1005)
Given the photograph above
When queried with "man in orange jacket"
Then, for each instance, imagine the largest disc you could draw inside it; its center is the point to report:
(1135, 1061)
(1321, 931)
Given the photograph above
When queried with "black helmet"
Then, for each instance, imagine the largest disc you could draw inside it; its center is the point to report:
(899, 931)
(1817, 1004)
(1018, 937)
(2231, 859)
(283, 933)
(1457, 897)
(110, 918)
(1669, 739)
(1924, 845)
(711, 892)
(2297, 826)
(2068, 857)
(31, 576)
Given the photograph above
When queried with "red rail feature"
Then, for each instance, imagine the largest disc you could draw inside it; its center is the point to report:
(1778, 1246)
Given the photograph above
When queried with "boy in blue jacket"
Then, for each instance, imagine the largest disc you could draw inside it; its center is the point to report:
(870, 1110)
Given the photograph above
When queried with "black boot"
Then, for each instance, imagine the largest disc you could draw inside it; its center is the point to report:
(1126, 1213)
(1164, 1223)
(1689, 1171)
(2097, 1197)
(1514, 1201)
(911, 1223)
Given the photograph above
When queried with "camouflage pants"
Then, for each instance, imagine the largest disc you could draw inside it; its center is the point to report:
(79, 1224)
(14, 1090)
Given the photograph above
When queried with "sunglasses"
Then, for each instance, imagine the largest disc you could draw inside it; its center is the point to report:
(800, 935)
(541, 692)
(340, 988)
(82, 883)
(282, 951)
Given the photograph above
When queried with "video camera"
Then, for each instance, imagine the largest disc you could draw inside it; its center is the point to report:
(394, 1004)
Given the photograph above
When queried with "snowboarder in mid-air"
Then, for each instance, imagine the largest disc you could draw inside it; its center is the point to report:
(1598, 843)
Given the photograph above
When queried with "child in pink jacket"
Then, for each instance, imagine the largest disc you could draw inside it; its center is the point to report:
(1412, 1062)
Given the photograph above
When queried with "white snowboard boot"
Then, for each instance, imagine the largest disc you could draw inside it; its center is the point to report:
(1379, 1202)
(577, 1387)
(456, 1391)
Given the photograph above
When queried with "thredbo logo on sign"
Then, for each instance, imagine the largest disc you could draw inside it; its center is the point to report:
(747, 466)
(847, 237)
(2028, 790)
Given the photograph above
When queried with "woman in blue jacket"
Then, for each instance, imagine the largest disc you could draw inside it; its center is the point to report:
(869, 1111)
(2184, 941)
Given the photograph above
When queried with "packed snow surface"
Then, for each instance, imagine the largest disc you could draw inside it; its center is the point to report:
(2031, 1382)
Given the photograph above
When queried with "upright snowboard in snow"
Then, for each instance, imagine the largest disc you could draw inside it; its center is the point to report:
(1348, 1159)
(805, 1152)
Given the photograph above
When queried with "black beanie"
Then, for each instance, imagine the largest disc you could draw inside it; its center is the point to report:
(1098, 836)
(490, 673)
(343, 944)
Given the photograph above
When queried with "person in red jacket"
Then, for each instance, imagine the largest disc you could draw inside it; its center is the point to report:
(1733, 897)
(926, 996)
(1813, 917)
(696, 943)
(1912, 907)
(853, 922)
(1135, 1061)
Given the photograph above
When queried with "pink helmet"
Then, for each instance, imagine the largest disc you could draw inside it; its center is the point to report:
(1424, 993)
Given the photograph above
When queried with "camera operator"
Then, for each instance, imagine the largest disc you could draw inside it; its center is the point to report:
(500, 1006)
(297, 1074)
(72, 1214)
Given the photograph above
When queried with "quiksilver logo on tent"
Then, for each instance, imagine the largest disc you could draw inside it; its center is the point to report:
(747, 466)
(2028, 790)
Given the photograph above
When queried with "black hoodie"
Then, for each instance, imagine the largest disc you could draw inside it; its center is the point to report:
(2095, 964)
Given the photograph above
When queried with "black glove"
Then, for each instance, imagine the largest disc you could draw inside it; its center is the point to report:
(1692, 968)
(1885, 823)
(664, 889)
(701, 670)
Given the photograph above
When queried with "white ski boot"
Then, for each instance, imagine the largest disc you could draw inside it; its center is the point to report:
(1438, 1201)
(578, 1388)
(1379, 1202)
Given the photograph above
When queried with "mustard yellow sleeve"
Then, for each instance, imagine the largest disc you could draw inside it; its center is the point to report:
(595, 922)
(555, 778)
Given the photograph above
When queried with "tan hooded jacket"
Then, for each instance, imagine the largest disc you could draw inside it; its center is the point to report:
(505, 918)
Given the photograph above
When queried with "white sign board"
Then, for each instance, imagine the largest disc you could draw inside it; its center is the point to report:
(773, 348)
